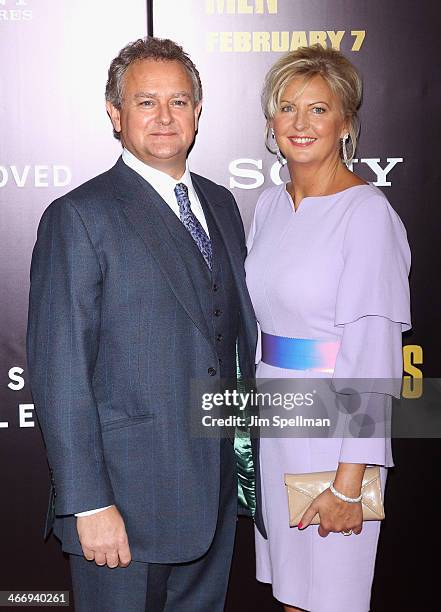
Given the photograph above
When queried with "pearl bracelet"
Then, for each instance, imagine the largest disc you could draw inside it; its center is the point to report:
(350, 500)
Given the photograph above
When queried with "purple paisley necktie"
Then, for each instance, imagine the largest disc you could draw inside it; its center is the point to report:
(190, 221)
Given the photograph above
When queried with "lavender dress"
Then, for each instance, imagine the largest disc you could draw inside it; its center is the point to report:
(336, 270)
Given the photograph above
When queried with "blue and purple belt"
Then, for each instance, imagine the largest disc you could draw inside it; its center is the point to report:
(299, 353)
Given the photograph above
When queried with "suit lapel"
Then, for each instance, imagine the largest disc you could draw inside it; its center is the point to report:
(222, 218)
(139, 202)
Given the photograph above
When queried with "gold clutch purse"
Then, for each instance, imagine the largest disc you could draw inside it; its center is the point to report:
(303, 489)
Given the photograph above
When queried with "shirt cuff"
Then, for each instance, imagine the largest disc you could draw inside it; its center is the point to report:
(90, 512)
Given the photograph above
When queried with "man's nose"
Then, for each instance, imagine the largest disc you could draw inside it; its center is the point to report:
(164, 114)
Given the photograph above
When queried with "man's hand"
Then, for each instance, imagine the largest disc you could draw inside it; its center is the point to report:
(104, 539)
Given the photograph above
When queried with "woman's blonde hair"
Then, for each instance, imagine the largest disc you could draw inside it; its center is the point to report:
(341, 76)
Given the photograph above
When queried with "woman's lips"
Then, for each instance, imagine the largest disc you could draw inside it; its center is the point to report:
(302, 141)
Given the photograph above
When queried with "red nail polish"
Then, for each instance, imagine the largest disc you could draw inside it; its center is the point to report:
(300, 525)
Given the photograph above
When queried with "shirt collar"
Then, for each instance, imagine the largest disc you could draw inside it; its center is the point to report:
(160, 181)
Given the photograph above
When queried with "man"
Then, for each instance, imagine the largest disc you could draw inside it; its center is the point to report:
(138, 289)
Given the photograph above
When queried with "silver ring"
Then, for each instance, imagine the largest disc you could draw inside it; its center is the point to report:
(347, 533)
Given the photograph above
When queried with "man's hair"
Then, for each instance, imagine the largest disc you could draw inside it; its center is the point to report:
(159, 49)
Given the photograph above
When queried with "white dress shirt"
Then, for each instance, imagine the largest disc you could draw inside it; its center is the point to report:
(165, 185)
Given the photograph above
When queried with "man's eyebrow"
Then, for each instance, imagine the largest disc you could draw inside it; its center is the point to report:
(181, 94)
(145, 94)
(178, 94)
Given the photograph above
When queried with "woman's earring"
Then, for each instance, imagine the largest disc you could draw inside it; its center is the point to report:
(344, 149)
(280, 158)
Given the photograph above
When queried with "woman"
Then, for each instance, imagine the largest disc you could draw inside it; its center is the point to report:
(327, 268)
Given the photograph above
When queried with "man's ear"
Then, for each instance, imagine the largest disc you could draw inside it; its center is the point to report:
(197, 113)
(114, 115)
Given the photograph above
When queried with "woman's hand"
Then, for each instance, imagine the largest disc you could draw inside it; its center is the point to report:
(337, 515)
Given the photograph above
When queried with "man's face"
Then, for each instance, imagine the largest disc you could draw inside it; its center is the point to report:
(158, 118)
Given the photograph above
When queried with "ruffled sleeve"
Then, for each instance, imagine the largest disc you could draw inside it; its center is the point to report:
(373, 306)
(368, 372)
(376, 258)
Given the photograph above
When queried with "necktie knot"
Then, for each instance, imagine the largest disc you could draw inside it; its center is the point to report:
(181, 188)
(181, 193)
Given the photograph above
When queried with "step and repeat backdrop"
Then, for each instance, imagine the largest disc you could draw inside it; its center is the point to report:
(55, 135)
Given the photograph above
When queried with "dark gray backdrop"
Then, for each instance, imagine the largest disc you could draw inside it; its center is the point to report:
(55, 135)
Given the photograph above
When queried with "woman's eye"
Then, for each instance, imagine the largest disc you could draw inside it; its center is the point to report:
(286, 109)
(146, 103)
(179, 103)
(318, 110)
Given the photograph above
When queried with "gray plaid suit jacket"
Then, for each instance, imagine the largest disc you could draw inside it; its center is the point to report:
(115, 334)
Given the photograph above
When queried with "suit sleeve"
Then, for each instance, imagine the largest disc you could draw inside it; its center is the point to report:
(62, 348)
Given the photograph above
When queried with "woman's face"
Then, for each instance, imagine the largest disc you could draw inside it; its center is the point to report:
(309, 122)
